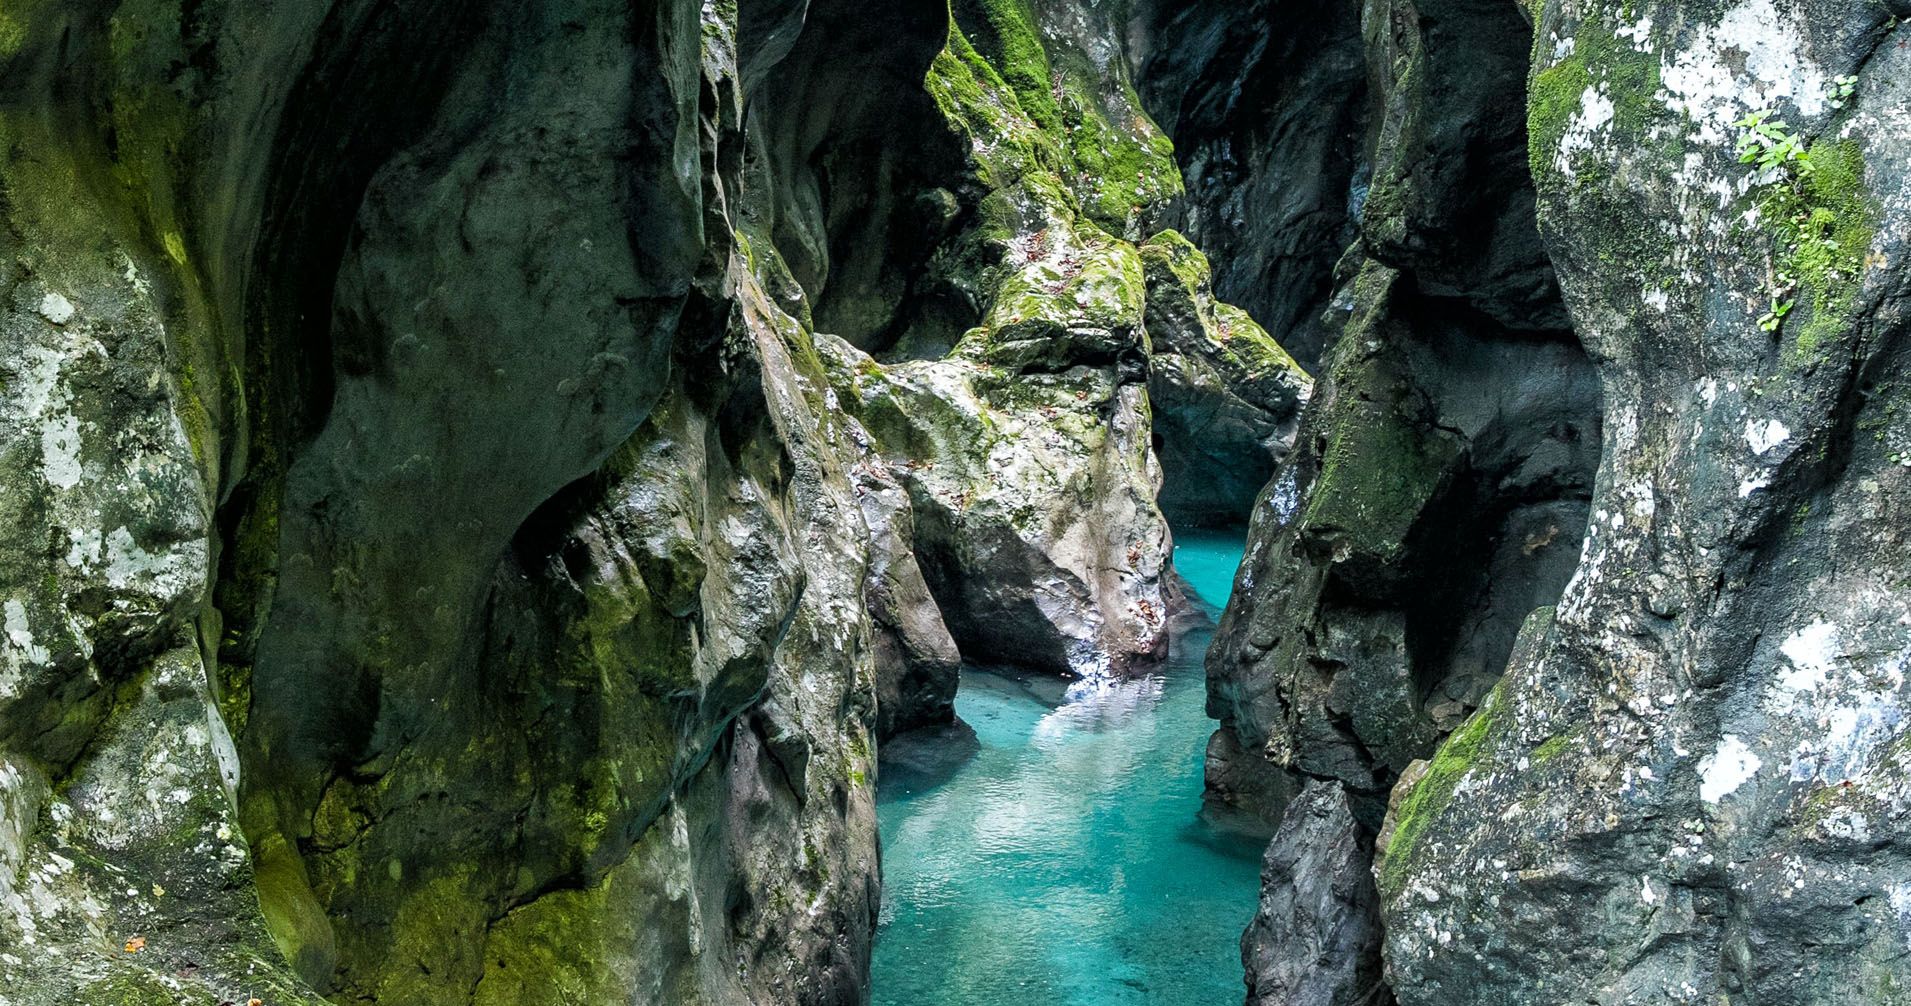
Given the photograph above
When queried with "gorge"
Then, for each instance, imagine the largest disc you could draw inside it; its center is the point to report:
(653, 502)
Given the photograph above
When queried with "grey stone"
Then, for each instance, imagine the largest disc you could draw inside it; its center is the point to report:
(1315, 940)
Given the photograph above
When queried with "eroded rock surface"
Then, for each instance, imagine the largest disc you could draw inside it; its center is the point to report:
(1685, 785)
(1690, 788)
(456, 560)
(1315, 940)
(1436, 494)
(1227, 398)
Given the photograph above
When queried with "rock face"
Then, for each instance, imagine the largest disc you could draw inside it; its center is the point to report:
(1437, 491)
(481, 478)
(1268, 129)
(1316, 939)
(415, 605)
(1686, 784)
(1227, 397)
(1691, 787)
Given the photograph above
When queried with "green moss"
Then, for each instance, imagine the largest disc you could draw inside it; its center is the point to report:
(1121, 167)
(13, 34)
(1556, 93)
(1600, 58)
(1430, 796)
(1552, 748)
(1005, 32)
(1025, 105)
(292, 913)
(1376, 474)
(1007, 144)
(1172, 251)
(1824, 224)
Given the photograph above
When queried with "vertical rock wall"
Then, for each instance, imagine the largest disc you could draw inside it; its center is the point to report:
(1692, 778)
(450, 561)
(1683, 787)
(1437, 493)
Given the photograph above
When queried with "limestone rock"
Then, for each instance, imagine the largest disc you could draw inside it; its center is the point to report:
(449, 564)
(1315, 941)
(1690, 788)
(1268, 129)
(917, 660)
(1227, 398)
(1437, 491)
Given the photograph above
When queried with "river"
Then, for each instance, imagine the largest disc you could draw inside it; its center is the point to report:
(1058, 858)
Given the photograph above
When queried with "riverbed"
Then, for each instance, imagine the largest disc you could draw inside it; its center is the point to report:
(1058, 857)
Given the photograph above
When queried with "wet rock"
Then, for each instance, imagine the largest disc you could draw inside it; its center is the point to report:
(1436, 493)
(917, 661)
(450, 564)
(1226, 397)
(124, 874)
(1268, 129)
(1688, 785)
(1315, 940)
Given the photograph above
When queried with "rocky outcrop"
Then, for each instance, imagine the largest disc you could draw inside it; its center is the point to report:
(1032, 501)
(1437, 491)
(1691, 786)
(1227, 398)
(416, 608)
(1315, 941)
(1028, 443)
(455, 558)
(1684, 786)
(1268, 129)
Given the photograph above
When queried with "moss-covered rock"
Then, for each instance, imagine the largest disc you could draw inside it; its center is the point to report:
(1689, 788)
(1226, 396)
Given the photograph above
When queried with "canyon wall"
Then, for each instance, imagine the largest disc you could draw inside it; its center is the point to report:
(482, 478)
(1589, 601)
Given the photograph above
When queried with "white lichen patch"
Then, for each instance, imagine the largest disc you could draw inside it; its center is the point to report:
(1595, 113)
(1812, 651)
(1762, 437)
(56, 309)
(1900, 898)
(22, 649)
(1753, 59)
(1730, 766)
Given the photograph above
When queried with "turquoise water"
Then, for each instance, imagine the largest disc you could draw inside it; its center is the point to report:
(1064, 862)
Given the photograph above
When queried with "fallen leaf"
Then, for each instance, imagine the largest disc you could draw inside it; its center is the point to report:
(136, 944)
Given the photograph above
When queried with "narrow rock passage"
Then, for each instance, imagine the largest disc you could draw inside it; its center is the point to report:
(1057, 856)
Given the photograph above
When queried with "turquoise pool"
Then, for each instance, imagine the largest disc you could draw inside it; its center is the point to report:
(1064, 862)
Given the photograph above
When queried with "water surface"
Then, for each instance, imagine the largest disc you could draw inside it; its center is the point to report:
(1064, 862)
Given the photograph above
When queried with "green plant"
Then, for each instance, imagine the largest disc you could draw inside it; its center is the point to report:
(1813, 211)
(1769, 143)
(1772, 319)
(1842, 91)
